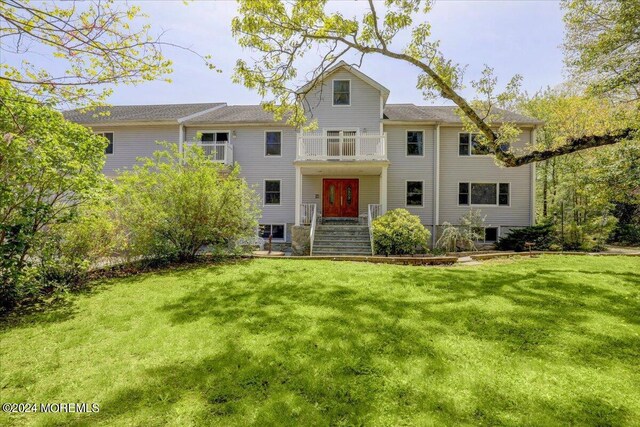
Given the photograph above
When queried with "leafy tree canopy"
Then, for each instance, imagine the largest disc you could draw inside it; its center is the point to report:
(98, 44)
(285, 31)
(602, 45)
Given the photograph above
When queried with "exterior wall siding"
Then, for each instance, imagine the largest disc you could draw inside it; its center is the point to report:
(455, 169)
(363, 113)
(405, 168)
(131, 142)
(249, 152)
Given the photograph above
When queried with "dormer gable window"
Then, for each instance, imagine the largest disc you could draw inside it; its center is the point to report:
(342, 92)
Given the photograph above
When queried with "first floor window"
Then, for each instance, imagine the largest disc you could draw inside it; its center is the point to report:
(491, 234)
(476, 193)
(272, 192)
(415, 143)
(483, 194)
(414, 193)
(276, 231)
(109, 136)
(463, 193)
(273, 142)
(503, 194)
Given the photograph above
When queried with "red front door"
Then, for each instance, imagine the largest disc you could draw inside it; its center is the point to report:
(339, 197)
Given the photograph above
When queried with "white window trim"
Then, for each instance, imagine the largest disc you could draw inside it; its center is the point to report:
(333, 94)
(101, 133)
(228, 132)
(269, 156)
(424, 145)
(275, 239)
(406, 181)
(264, 192)
(488, 155)
(497, 184)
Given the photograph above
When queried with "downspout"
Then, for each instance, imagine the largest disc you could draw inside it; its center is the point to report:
(532, 183)
(181, 141)
(436, 186)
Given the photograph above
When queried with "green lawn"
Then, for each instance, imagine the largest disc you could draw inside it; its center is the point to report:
(545, 341)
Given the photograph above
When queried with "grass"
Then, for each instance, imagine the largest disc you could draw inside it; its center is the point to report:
(545, 341)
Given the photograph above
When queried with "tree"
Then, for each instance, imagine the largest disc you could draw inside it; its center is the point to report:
(283, 32)
(99, 44)
(175, 204)
(583, 192)
(48, 167)
(602, 46)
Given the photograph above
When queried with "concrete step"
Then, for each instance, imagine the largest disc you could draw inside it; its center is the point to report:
(334, 252)
(339, 245)
(337, 239)
(341, 239)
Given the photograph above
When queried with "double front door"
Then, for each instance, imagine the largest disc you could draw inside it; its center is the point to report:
(339, 197)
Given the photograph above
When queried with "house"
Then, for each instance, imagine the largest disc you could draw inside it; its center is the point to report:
(321, 188)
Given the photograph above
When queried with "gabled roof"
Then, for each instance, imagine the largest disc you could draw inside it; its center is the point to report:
(444, 114)
(241, 114)
(139, 113)
(353, 70)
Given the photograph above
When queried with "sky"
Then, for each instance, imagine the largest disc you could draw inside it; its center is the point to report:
(513, 37)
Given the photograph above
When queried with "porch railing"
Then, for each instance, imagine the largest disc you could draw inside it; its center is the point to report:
(219, 152)
(342, 147)
(373, 212)
(308, 217)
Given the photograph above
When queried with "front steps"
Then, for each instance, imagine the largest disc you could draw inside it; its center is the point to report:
(341, 239)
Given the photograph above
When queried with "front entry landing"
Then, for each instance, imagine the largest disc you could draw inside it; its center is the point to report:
(340, 198)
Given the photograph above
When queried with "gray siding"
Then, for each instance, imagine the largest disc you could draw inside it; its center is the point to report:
(363, 113)
(368, 190)
(249, 152)
(455, 169)
(405, 168)
(131, 142)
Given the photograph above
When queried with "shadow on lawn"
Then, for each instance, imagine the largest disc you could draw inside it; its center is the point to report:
(337, 353)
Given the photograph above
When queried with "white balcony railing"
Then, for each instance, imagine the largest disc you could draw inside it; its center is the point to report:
(342, 147)
(220, 152)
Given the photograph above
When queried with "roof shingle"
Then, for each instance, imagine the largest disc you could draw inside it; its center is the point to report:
(246, 114)
(138, 113)
(443, 114)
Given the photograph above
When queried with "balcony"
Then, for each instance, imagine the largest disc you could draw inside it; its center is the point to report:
(219, 152)
(342, 147)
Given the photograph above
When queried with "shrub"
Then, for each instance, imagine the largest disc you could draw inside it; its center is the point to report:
(398, 232)
(464, 236)
(541, 235)
(49, 167)
(176, 204)
(74, 247)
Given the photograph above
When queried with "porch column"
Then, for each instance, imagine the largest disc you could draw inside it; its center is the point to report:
(383, 189)
(298, 194)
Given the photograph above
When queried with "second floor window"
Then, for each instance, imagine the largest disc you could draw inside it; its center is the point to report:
(109, 136)
(414, 193)
(272, 192)
(415, 143)
(214, 137)
(341, 92)
(273, 144)
(469, 145)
